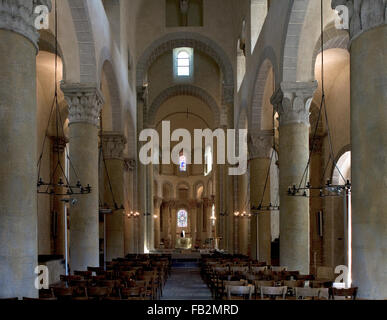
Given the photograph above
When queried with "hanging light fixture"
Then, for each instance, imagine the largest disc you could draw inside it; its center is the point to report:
(261, 206)
(58, 183)
(104, 208)
(305, 189)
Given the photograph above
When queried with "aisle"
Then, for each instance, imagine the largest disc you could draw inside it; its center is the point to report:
(186, 284)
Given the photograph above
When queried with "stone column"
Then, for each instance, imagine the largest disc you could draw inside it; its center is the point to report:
(193, 220)
(129, 242)
(292, 102)
(142, 97)
(157, 219)
(164, 221)
(150, 221)
(242, 221)
(85, 102)
(113, 144)
(173, 224)
(369, 141)
(58, 150)
(18, 149)
(207, 214)
(260, 144)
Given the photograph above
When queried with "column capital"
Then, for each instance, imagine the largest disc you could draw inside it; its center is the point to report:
(292, 102)
(85, 102)
(113, 144)
(19, 16)
(130, 164)
(363, 14)
(260, 143)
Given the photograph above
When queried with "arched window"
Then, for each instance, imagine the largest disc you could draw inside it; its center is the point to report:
(208, 161)
(183, 63)
(182, 219)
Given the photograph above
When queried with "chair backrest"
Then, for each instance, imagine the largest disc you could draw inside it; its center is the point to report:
(263, 283)
(240, 269)
(133, 292)
(305, 292)
(80, 283)
(337, 294)
(98, 291)
(258, 269)
(240, 291)
(109, 283)
(63, 292)
(274, 292)
(233, 283)
(278, 269)
(84, 274)
(294, 283)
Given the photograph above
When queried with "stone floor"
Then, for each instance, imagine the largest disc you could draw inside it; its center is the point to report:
(186, 284)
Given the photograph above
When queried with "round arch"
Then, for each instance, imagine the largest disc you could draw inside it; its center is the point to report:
(184, 90)
(196, 186)
(302, 34)
(257, 99)
(88, 62)
(115, 100)
(192, 40)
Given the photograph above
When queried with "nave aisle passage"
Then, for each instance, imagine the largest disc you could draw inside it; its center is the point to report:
(186, 284)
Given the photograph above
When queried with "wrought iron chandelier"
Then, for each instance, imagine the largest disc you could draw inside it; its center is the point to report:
(305, 189)
(58, 183)
(104, 208)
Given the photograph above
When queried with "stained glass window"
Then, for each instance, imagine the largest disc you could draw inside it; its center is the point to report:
(182, 219)
(182, 163)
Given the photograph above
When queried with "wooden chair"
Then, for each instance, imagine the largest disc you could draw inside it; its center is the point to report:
(255, 269)
(278, 269)
(135, 293)
(273, 292)
(63, 293)
(262, 283)
(292, 284)
(83, 274)
(343, 294)
(306, 293)
(40, 299)
(240, 292)
(98, 292)
(226, 284)
(320, 284)
(68, 279)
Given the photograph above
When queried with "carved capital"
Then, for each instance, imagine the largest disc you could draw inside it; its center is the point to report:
(113, 145)
(363, 14)
(292, 102)
(19, 16)
(260, 144)
(130, 164)
(85, 102)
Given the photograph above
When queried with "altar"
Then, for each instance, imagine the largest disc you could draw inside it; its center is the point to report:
(184, 243)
